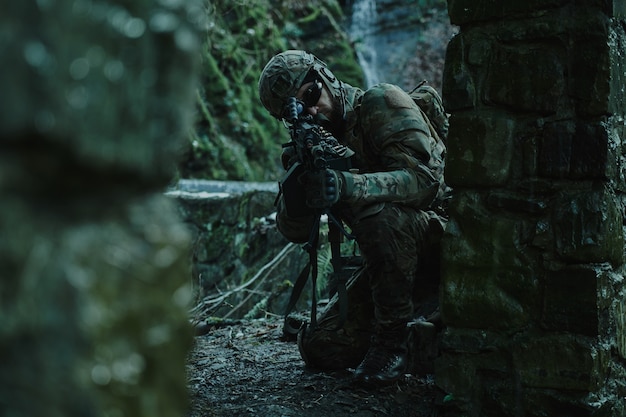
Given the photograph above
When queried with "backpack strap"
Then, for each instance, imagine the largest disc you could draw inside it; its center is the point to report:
(431, 104)
(310, 267)
(336, 230)
(339, 283)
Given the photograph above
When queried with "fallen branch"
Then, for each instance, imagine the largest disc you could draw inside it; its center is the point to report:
(210, 303)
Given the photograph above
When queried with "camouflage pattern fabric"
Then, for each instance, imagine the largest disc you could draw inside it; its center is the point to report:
(429, 101)
(394, 140)
(381, 293)
(412, 187)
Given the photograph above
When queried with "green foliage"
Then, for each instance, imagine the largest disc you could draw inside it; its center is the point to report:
(324, 269)
(234, 137)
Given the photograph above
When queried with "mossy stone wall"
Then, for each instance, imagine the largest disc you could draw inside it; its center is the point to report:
(241, 265)
(533, 289)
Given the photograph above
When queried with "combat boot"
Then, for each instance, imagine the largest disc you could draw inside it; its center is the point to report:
(386, 360)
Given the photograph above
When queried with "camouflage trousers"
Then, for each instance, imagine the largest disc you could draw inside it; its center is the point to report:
(398, 278)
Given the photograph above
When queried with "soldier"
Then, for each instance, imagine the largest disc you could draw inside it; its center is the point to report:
(390, 205)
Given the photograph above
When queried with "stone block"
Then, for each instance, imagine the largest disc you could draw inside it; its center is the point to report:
(570, 299)
(235, 236)
(577, 151)
(590, 63)
(479, 49)
(207, 210)
(528, 78)
(500, 373)
(587, 227)
(464, 340)
(540, 402)
(458, 89)
(488, 277)
(480, 149)
(487, 297)
(468, 376)
(227, 223)
(517, 201)
(557, 361)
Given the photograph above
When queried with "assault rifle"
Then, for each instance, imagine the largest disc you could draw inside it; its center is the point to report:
(313, 150)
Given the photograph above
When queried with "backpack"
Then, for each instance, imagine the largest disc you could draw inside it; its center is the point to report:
(429, 101)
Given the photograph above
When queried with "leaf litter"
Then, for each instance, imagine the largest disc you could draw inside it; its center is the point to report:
(245, 368)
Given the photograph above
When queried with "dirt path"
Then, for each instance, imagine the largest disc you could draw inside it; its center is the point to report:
(244, 369)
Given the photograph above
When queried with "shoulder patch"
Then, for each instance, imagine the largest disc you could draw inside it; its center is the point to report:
(398, 99)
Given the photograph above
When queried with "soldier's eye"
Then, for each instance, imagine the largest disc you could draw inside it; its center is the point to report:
(312, 94)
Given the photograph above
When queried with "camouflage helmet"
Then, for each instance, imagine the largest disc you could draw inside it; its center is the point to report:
(285, 73)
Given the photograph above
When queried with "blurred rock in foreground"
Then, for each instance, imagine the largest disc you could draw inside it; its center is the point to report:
(93, 259)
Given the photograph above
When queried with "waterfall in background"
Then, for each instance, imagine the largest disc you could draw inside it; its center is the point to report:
(362, 28)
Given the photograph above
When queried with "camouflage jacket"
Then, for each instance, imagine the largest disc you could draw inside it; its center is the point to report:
(398, 158)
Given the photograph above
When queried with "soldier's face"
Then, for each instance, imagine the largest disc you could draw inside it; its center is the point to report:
(323, 105)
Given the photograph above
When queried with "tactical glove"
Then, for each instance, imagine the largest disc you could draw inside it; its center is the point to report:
(323, 188)
(288, 157)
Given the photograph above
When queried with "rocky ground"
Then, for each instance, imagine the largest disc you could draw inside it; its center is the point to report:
(243, 368)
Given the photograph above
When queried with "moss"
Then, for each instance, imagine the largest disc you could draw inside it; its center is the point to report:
(311, 17)
(235, 138)
(219, 82)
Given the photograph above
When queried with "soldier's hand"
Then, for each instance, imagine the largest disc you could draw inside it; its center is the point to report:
(288, 157)
(323, 188)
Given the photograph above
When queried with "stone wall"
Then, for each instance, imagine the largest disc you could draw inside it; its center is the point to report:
(94, 292)
(533, 292)
(241, 266)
